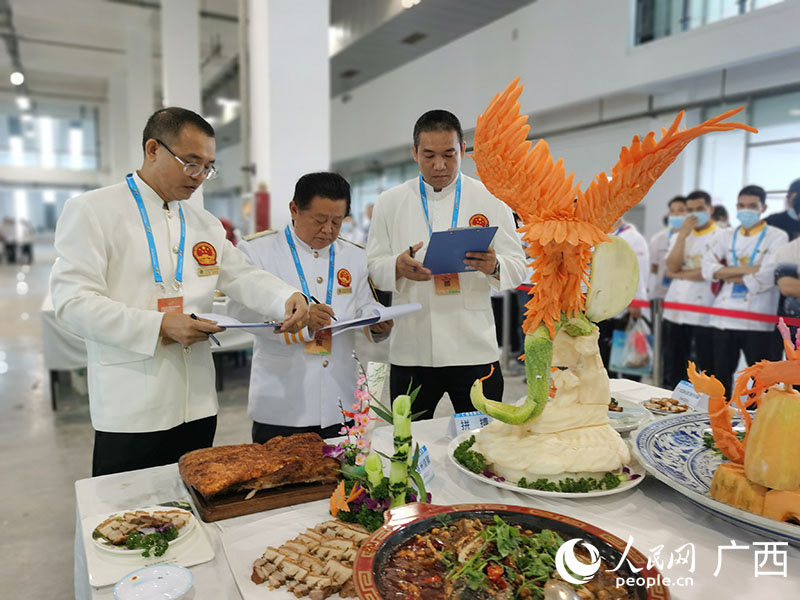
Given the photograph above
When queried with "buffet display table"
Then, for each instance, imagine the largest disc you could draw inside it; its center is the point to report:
(659, 520)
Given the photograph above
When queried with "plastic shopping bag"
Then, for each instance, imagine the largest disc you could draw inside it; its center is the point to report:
(632, 349)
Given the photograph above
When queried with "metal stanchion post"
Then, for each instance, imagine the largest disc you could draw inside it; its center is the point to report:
(506, 335)
(658, 340)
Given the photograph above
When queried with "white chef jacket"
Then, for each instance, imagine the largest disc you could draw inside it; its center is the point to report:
(103, 290)
(659, 249)
(762, 292)
(287, 386)
(455, 329)
(684, 291)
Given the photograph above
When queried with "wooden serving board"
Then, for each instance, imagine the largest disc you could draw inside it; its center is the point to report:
(234, 505)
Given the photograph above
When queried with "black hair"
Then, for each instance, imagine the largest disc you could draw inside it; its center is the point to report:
(719, 213)
(680, 199)
(754, 190)
(437, 120)
(794, 188)
(166, 124)
(325, 185)
(700, 194)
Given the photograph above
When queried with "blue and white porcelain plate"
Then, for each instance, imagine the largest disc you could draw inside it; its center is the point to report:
(672, 450)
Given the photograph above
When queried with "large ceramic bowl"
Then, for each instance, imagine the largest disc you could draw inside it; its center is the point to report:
(406, 521)
(672, 450)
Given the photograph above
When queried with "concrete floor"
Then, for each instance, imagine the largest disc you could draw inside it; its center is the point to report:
(44, 452)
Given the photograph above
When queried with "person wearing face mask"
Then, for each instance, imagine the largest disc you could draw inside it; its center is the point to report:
(659, 247)
(296, 380)
(451, 342)
(687, 335)
(135, 263)
(744, 258)
(789, 220)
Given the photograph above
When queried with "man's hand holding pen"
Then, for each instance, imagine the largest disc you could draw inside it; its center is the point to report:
(406, 266)
(186, 330)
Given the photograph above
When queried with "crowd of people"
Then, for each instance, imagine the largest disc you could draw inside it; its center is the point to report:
(702, 262)
(136, 266)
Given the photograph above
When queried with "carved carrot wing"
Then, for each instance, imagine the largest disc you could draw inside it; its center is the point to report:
(528, 181)
(638, 167)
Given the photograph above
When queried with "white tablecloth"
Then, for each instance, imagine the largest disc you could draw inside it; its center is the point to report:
(652, 513)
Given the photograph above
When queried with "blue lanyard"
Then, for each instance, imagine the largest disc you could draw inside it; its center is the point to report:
(755, 250)
(456, 203)
(151, 242)
(299, 267)
(622, 228)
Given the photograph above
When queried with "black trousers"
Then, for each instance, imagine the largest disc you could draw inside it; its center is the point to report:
(683, 343)
(118, 452)
(263, 432)
(435, 381)
(756, 345)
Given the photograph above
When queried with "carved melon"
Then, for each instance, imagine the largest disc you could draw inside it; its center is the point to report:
(613, 279)
(782, 506)
(731, 486)
(772, 457)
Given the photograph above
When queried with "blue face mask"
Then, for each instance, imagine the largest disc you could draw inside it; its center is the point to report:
(748, 218)
(676, 221)
(702, 218)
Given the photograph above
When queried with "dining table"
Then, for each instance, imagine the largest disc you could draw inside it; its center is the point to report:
(726, 561)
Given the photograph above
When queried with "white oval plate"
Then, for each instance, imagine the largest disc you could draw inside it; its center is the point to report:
(159, 582)
(104, 544)
(633, 416)
(635, 468)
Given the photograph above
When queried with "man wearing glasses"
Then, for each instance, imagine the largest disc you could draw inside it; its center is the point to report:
(134, 265)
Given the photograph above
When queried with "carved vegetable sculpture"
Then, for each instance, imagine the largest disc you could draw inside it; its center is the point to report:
(763, 475)
(562, 226)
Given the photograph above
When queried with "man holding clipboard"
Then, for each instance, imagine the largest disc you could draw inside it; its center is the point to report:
(450, 342)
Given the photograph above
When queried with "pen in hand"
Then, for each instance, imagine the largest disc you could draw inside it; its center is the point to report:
(315, 301)
(210, 335)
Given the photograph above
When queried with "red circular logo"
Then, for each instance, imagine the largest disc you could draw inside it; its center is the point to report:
(205, 254)
(478, 220)
(344, 278)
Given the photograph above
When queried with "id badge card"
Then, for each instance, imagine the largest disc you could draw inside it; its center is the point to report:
(739, 291)
(321, 344)
(446, 283)
(666, 281)
(170, 305)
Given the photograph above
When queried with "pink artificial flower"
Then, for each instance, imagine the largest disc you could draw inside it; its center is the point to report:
(356, 406)
(361, 430)
(360, 460)
(361, 380)
(343, 431)
(362, 443)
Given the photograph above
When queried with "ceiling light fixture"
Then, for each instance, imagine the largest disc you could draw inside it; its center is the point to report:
(23, 103)
(17, 78)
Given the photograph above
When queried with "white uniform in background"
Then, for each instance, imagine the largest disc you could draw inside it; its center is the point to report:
(288, 386)
(103, 290)
(636, 241)
(659, 249)
(758, 293)
(454, 329)
(685, 291)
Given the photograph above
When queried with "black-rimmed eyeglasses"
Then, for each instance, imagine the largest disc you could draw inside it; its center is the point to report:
(190, 168)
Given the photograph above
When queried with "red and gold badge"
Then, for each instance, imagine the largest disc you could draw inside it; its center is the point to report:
(205, 254)
(478, 220)
(344, 278)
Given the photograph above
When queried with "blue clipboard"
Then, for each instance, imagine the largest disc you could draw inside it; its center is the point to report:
(447, 249)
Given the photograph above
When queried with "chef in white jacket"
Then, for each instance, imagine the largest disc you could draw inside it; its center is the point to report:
(744, 259)
(134, 262)
(297, 381)
(450, 342)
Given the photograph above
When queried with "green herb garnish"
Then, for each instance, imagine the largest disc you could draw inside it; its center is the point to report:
(472, 460)
(156, 542)
(609, 481)
(708, 442)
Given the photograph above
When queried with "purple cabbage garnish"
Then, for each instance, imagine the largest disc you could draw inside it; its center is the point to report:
(332, 451)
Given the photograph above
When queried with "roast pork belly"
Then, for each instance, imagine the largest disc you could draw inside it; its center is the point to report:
(280, 461)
